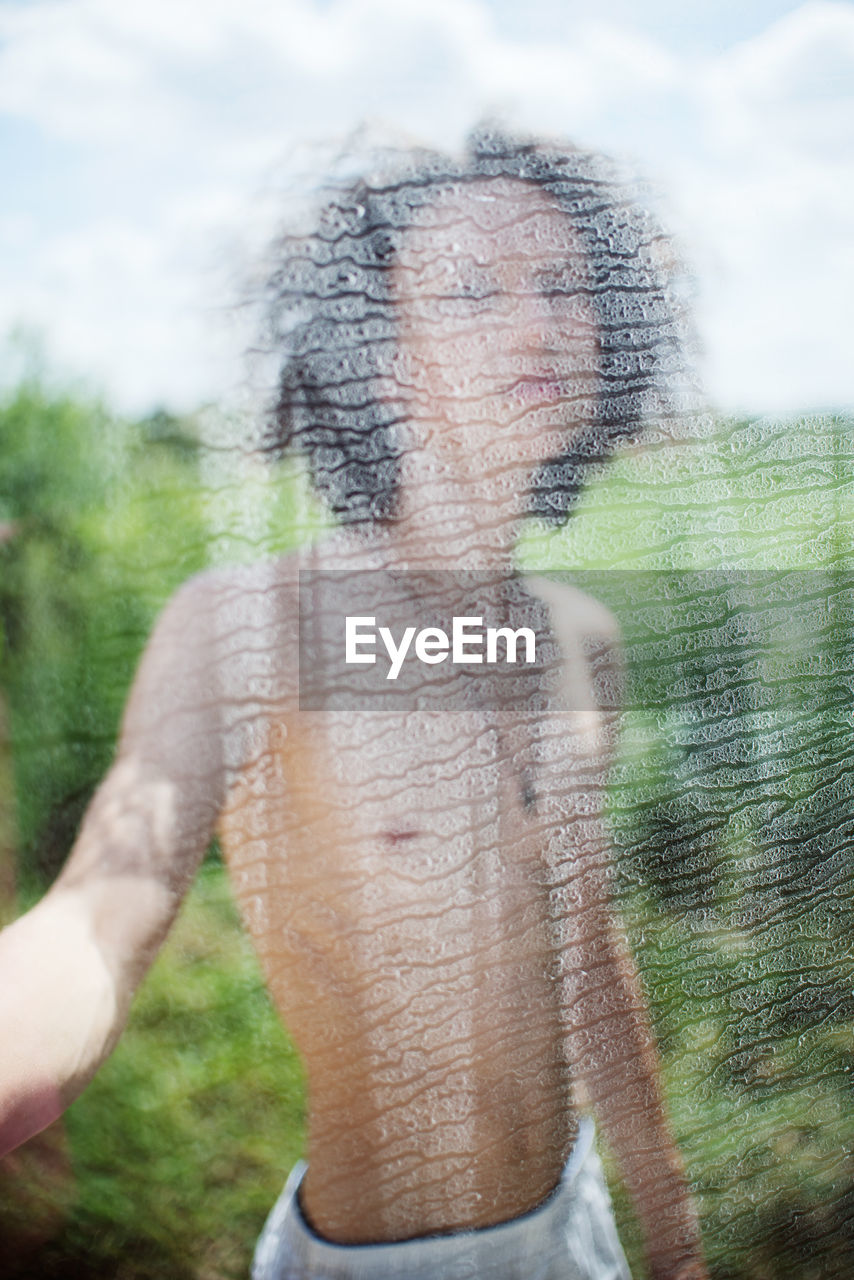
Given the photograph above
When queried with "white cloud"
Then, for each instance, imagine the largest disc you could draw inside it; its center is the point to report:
(179, 109)
(773, 192)
(107, 321)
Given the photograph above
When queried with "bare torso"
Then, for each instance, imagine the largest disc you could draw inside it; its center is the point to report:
(406, 878)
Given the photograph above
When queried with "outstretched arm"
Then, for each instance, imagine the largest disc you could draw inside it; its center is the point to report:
(70, 966)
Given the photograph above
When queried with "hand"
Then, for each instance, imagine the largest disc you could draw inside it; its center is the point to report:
(58, 1015)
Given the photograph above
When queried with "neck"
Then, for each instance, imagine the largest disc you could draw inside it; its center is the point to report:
(453, 523)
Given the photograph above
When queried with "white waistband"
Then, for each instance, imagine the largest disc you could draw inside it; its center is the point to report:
(290, 1250)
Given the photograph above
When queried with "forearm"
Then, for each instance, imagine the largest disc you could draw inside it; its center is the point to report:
(61, 1011)
(619, 1064)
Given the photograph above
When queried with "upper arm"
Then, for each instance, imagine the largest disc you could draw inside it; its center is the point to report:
(70, 966)
(150, 820)
(579, 743)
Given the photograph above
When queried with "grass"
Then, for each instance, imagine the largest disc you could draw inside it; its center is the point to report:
(168, 1164)
(182, 1143)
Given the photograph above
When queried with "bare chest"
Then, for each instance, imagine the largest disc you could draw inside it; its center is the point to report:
(394, 820)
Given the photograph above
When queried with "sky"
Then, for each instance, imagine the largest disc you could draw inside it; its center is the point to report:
(148, 151)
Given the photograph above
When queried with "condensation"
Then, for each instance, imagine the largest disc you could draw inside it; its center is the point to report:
(481, 401)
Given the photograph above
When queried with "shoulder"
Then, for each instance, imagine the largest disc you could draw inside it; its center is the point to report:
(575, 613)
(228, 640)
(211, 602)
(588, 637)
(224, 648)
(234, 609)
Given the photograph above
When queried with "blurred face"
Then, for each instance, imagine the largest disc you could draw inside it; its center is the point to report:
(498, 341)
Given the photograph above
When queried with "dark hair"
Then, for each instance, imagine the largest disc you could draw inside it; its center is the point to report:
(333, 316)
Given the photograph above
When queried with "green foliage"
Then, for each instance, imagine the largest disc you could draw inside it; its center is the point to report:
(732, 809)
(732, 821)
(184, 1140)
(105, 518)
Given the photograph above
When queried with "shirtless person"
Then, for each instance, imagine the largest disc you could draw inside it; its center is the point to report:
(427, 886)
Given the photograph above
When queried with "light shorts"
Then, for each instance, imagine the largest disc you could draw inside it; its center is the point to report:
(570, 1236)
